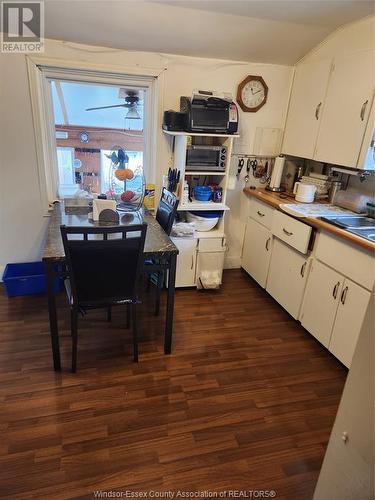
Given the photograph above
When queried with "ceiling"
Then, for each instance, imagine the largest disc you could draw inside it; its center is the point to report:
(268, 31)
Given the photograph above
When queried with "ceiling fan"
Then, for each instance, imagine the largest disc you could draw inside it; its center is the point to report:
(131, 102)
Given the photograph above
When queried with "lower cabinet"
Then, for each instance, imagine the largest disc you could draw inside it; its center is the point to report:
(287, 276)
(333, 310)
(320, 302)
(257, 250)
(350, 314)
(186, 261)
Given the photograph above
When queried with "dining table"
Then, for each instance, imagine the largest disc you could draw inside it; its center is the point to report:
(160, 254)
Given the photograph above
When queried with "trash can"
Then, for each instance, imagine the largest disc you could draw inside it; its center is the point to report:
(27, 278)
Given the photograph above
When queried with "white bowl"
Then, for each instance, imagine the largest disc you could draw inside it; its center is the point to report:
(202, 223)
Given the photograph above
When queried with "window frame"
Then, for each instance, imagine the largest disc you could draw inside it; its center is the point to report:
(41, 71)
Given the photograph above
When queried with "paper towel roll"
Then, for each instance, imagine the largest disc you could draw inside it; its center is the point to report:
(277, 171)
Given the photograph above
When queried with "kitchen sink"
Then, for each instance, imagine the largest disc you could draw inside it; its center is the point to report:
(359, 225)
(368, 233)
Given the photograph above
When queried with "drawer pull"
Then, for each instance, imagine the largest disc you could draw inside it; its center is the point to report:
(343, 295)
(303, 267)
(260, 214)
(288, 233)
(363, 110)
(267, 244)
(317, 110)
(335, 290)
(192, 262)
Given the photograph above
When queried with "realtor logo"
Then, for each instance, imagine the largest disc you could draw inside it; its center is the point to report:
(22, 27)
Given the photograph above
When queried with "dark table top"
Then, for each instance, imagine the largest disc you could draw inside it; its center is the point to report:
(157, 243)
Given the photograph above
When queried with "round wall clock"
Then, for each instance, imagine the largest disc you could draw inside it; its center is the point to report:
(84, 137)
(252, 93)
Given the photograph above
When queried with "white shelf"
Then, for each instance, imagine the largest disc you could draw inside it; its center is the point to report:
(202, 205)
(214, 233)
(201, 172)
(199, 134)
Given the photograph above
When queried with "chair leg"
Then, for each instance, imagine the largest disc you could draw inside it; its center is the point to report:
(128, 315)
(74, 333)
(135, 333)
(159, 286)
(109, 313)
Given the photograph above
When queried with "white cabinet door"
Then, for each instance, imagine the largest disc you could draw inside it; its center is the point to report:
(350, 314)
(186, 261)
(318, 312)
(287, 276)
(257, 251)
(305, 108)
(346, 109)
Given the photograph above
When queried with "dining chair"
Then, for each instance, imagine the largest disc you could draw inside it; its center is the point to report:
(104, 269)
(165, 215)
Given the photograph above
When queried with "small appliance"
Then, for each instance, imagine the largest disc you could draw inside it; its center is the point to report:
(205, 157)
(305, 193)
(206, 111)
(174, 121)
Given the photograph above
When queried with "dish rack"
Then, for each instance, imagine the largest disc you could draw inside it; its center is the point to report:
(322, 185)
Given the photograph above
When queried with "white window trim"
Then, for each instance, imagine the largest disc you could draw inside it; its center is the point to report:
(41, 70)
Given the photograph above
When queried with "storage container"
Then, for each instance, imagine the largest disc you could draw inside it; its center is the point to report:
(202, 193)
(26, 278)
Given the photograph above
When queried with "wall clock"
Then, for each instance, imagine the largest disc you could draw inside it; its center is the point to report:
(252, 93)
(84, 137)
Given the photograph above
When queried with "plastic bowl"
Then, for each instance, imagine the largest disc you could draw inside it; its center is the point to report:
(202, 193)
(202, 223)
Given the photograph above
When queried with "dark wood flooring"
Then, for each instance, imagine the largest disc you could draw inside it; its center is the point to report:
(246, 401)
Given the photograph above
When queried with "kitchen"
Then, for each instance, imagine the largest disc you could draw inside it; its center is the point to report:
(299, 271)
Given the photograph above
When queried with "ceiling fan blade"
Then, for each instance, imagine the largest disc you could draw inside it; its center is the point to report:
(106, 107)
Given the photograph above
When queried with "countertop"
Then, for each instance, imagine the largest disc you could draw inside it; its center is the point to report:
(157, 243)
(274, 200)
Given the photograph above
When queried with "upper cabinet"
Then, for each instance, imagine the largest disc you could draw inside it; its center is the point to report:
(329, 110)
(305, 108)
(346, 110)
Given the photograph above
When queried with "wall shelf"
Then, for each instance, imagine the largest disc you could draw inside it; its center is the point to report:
(198, 134)
(202, 205)
(201, 172)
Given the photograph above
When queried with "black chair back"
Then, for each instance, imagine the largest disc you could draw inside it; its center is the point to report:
(167, 209)
(104, 263)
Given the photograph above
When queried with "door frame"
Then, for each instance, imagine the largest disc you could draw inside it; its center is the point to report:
(42, 70)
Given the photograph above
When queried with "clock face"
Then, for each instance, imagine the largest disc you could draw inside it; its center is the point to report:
(84, 137)
(252, 93)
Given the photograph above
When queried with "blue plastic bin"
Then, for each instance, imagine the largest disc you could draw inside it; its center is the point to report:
(27, 278)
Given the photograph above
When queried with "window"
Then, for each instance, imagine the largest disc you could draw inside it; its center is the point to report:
(92, 121)
(47, 114)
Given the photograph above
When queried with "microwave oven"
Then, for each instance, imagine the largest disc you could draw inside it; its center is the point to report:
(206, 158)
(206, 113)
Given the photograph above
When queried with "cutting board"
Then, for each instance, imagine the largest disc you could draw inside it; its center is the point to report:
(314, 210)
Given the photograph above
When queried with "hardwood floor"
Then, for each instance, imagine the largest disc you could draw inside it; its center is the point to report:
(246, 401)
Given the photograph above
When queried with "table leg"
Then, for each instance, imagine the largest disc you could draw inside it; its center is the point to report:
(170, 304)
(54, 332)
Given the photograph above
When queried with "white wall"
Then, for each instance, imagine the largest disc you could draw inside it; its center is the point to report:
(21, 222)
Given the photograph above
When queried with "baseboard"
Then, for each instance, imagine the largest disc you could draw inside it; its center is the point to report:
(232, 262)
(1, 273)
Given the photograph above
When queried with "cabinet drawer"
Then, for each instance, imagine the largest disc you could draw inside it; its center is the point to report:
(347, 258)
(261, 213)
(211, 245)
(295, 233)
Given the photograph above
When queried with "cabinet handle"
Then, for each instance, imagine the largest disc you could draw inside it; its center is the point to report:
(267, 243)
(317, 110)
(343, 295)
(288, 233)
(335, 290)
(303, 267)
(192, 262)
(260, 214)
(363, 110)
